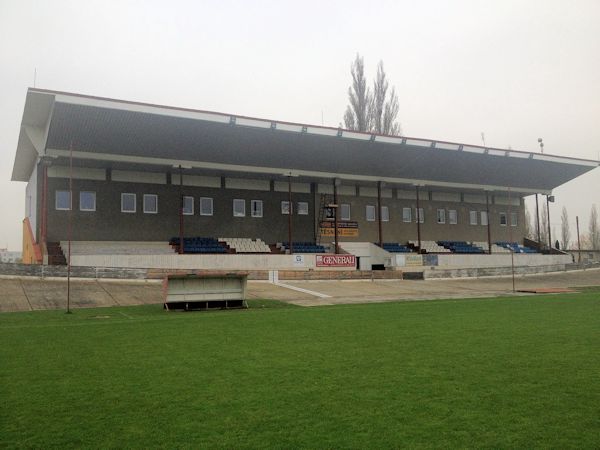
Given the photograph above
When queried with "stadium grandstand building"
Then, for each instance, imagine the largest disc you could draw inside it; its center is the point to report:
(143, 177)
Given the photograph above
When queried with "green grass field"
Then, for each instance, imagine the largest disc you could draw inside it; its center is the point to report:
(510, 372)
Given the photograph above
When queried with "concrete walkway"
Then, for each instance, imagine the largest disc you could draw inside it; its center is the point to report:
(29, 294)
(345, 292)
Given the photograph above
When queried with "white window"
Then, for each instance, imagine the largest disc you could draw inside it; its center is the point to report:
(473, 217)
(406, 214)
(239, 207)
(370, 213)
(484, 218)
(513, 219)
(256, 208)
(285, 207)
(87, 201)
(452, 217)
(344, 211)
(421, 215)
(441, 216)
(128, 203)
(302, 208)
(63, 200)
(188, 206)
(503, 219)
(150, 204)
(206, 206)
(385, 214)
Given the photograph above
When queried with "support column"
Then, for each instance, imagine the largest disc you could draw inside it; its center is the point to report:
(418, 219)
(44, 218)
(487, 213)
(291, 246)
(181, 243)
(548, 213)
(335, 218)
(379, 213)
(537, 218)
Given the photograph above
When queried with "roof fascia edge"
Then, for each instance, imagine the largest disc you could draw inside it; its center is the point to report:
(142, 108)
(277, 171)
(37, 136)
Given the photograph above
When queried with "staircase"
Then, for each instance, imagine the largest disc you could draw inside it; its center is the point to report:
(325, 200)
(55, 254)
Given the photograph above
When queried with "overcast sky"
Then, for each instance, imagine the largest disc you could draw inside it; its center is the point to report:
(514, 70)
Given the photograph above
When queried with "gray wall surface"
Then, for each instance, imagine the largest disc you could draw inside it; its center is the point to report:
(109, 223)
(398, 231)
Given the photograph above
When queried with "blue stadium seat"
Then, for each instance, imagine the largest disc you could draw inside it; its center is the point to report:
(199, 245)
(461, 247)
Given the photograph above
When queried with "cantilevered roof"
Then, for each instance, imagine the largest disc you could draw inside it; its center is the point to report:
(101, 129)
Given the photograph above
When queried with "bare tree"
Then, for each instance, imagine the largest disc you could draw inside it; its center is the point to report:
(371, 111)
(544, 225)
(384, 107)
(527, 225)
(594, 230)
(565, 232)
(585, 242)
(357, 112)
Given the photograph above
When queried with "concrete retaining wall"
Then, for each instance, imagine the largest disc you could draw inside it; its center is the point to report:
(500, 260)
(42, 271)
(199, 262)
(490, 271)
(340, 275)
(157, 274)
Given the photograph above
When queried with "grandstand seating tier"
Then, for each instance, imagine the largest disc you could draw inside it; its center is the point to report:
(246, 245)
(395, 247)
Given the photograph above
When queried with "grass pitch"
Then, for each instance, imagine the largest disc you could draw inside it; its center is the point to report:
(510, 372)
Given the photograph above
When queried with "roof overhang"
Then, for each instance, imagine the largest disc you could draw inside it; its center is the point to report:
(116, 131)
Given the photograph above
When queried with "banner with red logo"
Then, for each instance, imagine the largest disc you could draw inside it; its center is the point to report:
(336, 261)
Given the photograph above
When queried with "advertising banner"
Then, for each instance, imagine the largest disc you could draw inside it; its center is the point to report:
(336, 261)
(345, 229)
(342, 232)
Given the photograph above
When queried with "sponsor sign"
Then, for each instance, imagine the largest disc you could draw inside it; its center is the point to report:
(413, 260)
(342, 232)
(345, 229)
(336, 261)
(299, 260)
(345, 224)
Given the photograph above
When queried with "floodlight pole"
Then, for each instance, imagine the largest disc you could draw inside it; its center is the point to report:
(578, 241)
(537, 209)
(548, 214)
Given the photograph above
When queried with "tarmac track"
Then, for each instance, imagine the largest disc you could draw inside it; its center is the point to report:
(30, 294)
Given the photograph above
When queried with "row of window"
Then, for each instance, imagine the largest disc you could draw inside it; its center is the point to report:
(87, 202)
(475, 217)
